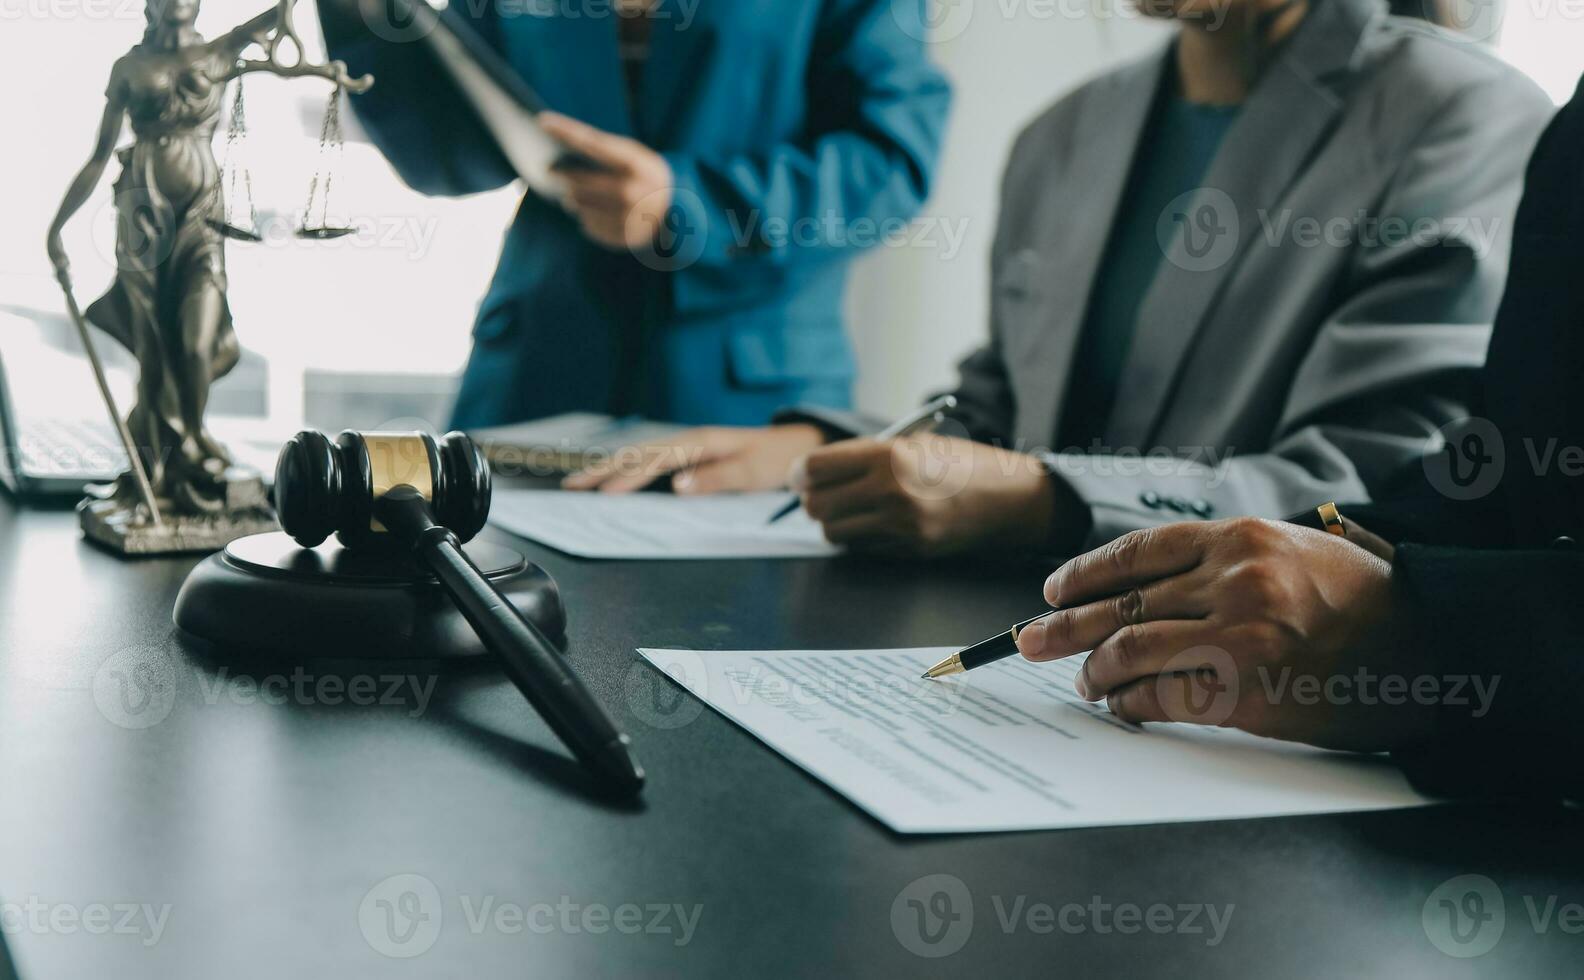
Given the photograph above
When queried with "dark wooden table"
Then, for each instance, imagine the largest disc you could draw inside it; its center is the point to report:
(262, 824)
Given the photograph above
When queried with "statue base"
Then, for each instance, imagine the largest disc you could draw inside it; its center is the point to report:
(125, 530)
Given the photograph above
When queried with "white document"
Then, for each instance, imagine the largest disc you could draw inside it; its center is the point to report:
(1011, 746)
(659, 525)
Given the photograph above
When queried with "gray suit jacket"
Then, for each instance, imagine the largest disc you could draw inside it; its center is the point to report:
(1327, 293)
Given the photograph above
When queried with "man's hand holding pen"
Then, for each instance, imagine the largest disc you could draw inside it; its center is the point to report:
(926, 495)
(1243, 606)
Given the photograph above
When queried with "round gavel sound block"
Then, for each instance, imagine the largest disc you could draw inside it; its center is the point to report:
(406, 497)
(298, 595)
(269, 596)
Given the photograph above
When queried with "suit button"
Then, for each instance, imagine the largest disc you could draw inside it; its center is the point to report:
(1150, 499)
(1203, 508)
(1177, 504)
(1565, 543)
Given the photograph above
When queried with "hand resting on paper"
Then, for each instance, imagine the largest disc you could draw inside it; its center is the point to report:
(1267, 627)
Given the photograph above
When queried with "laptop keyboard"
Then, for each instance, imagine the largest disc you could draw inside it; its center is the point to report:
(70, 448)
(90, 451)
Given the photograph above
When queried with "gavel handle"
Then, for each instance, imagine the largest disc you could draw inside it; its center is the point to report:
(530, 660)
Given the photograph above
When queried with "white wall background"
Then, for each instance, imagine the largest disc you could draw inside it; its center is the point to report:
(916, 310)
(401, 297)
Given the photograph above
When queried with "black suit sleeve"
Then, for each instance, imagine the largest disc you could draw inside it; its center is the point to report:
(1506, 607)
(1510, 624)
(1415, 511)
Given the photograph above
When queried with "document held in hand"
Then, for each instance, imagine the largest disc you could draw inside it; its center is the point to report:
(1011, 747)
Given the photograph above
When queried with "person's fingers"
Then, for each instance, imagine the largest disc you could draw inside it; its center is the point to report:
(597, 472)
(873, 530)
(597, 189)
(587, 209)
(797, 475)
(635, 480)
(1370, 541)
(609, 149)
(1078, 628)
(638, 466)
(1131, 560)
(1174, 697)
(593, 474)
(728, 475)
(603, 227)
(844, 461)
(831, 503)
(1137, 653)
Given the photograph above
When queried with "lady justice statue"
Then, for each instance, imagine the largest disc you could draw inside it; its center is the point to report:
(167, 304)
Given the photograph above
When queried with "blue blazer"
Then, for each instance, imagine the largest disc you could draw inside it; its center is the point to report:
(798, 130)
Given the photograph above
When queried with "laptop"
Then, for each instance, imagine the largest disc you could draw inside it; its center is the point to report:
(55, 434)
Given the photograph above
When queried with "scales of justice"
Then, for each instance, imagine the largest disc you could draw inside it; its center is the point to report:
(174, 205)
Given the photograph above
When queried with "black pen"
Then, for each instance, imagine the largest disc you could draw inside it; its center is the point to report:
(998, 647)
(931, 414)
(1003, 645)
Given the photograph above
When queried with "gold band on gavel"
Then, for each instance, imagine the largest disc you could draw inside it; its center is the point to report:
(397, 459)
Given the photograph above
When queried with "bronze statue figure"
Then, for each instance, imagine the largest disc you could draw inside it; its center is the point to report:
(167, 304)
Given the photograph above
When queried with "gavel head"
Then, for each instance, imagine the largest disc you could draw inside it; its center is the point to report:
(324, 487)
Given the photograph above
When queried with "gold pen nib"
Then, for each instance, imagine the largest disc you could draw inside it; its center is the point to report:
(951, 665)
